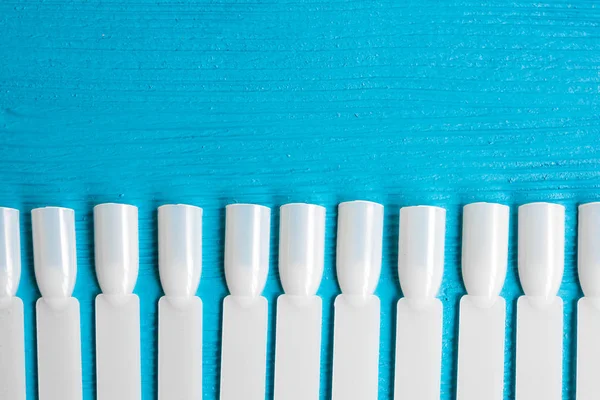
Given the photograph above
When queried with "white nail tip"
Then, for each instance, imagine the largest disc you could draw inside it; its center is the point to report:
(179, 250)
(359, 243)
(116, 247)
(247, 229)
(588, 259)
(10, 252)
(541, 249)
(485, 248)
(421, 251)
(301, 248)
(55, 261)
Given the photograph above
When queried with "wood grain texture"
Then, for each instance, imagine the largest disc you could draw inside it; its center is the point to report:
(212, 102)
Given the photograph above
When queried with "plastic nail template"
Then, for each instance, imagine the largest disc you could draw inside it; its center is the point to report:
(244, 336)
(357, 309)
(419, 322)
(118, 374)
(12, 345)
(299, 310)
(179, 310)
(588, 307)
(540, 311)
(482, 310)
(57, 312)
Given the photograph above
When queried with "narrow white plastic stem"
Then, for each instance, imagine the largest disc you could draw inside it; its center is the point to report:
(419, 321)
(540, 311)
(483, 311)
(298, 331)
(244, 356)
(117, 309)
(588, 307)
(357, 310)
(12, 346)
(180, 310)
(58, 331)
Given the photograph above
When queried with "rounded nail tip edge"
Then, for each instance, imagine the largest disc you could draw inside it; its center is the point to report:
(593, 204)
(486, 204)
(538, 204)
(234, 206)
(115, 206)
(357, 284)
(244, 284)
(9, 210)
(424, 207)
(180, 206)
(308, 206)
(301, 281)
(364, 204)
(46, 209)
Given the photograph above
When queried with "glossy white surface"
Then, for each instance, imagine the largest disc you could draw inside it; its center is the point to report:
(55, 258)
(485, 248)
(356, 348)
(179, 349)
(118, 363)
(359, 241)
(298, 327)
(481, 349)
(301, 248)
(247, 230)
(180, 249)
(116, 247)
(541, 249)
(483, 312)
(58, 350)
(244, 349)
(298, 348)
(588, 348)
(12, 350)
(418, 350)
(180, 310)
(12, 335)
(10, 252)
(421, 251)
(539, 358)
(588, 307)
(588, 249)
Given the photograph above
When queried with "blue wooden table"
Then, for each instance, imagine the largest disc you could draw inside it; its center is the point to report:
(213, 102)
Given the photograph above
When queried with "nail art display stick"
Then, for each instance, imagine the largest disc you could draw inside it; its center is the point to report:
(57, 312)
(298, 327)
(482, 310)
(540, 311)
(588, 307)
(244, 340)
(357, 309)
(419, 321)
(12, 343)
(179, 310)
(118, 374)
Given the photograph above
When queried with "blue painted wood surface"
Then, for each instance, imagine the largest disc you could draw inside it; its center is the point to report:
(213, 102)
